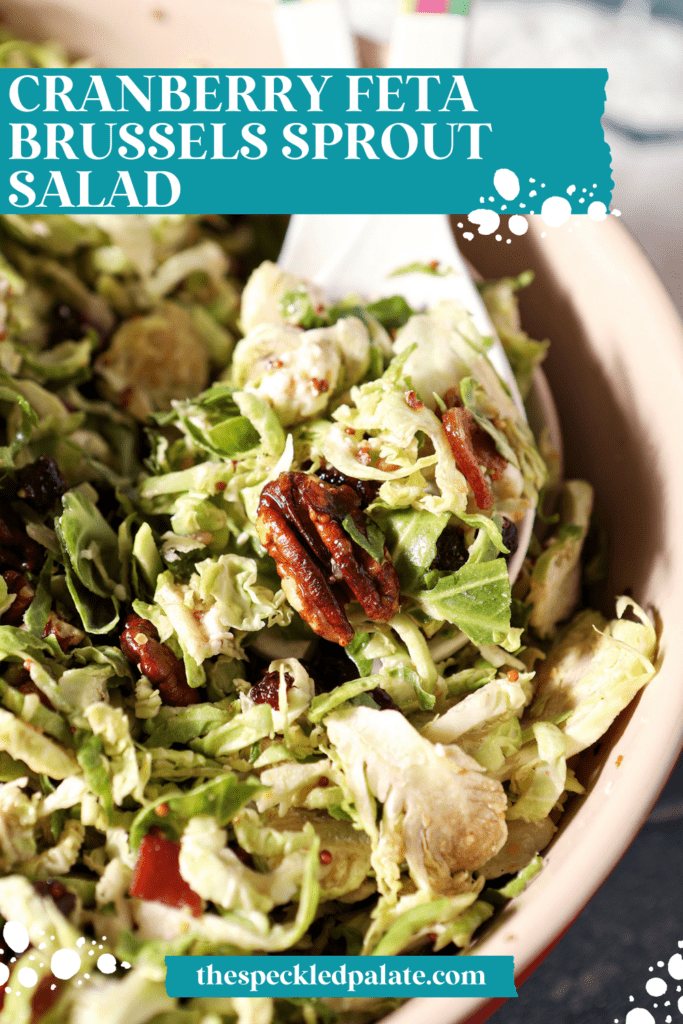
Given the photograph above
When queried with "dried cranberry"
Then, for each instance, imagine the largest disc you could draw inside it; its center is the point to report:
(267, 690)
(64, 900)
(365, 489)
(47, 992)
(41, 485)
(451, 553)
(241, 854)
(330, 666)
(17, 550)
(67, 324)
(383, 699)
(510, 538)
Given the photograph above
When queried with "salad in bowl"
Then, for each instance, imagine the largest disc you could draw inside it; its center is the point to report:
(265, 682)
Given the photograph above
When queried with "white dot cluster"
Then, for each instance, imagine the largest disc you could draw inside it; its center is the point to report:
(64, 963)
(656, 987)
(555, 210)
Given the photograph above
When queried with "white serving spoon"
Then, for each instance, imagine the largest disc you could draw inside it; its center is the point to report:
(346, 254)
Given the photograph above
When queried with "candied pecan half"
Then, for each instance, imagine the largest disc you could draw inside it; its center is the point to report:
(41, 484)
(24, 594)
(17, 550)
(300, 525)
(140, 644)
(474, 452)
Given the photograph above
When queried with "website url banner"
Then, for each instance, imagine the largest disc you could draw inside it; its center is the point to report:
(359, 976)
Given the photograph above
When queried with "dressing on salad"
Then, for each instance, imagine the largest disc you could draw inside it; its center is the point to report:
(264, 682)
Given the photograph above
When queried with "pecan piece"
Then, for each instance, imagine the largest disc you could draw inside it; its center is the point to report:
(300, 525)
(23, 595)
(140, 644)
(24, 684)
(67, 636)
(474, 452)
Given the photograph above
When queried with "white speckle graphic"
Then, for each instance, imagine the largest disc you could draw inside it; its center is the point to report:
(80, 942)
(107, 963)
(533, 193)
(4, 974)
(518, 225)
(499, 238)
(468, 235)
(506, 183)
(639, 1016)
(65, 963)
(556, 211)
(571, 190)
(675, 966)
(124, 963)
(655, 987)
(680, 1005)
(487, 220)
(27, 977)
(15, 935)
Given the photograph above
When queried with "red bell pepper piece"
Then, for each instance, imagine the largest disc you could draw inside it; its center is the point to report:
(157, 875)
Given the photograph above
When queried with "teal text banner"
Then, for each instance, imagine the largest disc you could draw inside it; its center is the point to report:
(302, 141)
(355, 976)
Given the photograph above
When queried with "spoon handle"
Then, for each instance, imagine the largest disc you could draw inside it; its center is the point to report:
(429, 34)
(314, 33)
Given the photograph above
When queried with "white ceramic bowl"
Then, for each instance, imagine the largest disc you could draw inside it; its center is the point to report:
(616, 370)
